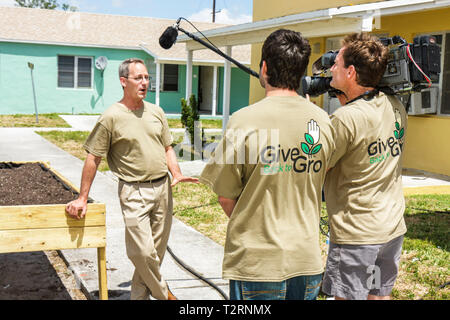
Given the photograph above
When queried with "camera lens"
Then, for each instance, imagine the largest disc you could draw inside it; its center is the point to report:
(315, 86)
(329, 58)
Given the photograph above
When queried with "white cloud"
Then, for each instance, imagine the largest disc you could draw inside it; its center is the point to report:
(7, 3)
(117, 3)
(224, 16)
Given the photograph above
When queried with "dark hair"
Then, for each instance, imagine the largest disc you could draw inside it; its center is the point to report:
(369, 57)
(286, 54)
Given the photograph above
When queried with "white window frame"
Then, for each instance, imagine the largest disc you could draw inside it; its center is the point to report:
(153, 76)
(75, 82)
(161, 84)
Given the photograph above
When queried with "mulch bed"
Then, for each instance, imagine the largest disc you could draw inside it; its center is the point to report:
(31, 184)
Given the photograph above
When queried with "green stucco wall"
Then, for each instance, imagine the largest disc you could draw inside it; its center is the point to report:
(240, 88)
(16, 93)
(171, 101)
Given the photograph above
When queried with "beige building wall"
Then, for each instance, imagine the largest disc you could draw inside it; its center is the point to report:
(266, 9)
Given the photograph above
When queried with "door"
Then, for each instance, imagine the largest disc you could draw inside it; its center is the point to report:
(206, 88)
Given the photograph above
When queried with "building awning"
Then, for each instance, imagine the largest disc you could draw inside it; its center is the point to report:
(320, 23)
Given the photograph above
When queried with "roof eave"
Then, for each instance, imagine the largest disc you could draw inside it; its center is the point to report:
(67, 44)
(235, 34)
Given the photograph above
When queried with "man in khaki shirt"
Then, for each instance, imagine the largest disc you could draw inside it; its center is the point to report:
(134, 137)
(268, 172)
(363, 190)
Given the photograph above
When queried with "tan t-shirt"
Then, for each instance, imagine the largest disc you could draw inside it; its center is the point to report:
(363, 191)
(273, 161)
(132, 141)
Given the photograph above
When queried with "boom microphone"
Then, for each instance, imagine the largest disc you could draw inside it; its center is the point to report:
(168, 38)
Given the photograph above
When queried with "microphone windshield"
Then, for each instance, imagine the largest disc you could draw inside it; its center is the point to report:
(168, 38)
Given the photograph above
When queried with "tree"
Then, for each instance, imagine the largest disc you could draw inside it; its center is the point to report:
(190, 115)
(68, 7)
(190, 118)
(45, 4)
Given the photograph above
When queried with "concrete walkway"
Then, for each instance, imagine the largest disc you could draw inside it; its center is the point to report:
(198, 251)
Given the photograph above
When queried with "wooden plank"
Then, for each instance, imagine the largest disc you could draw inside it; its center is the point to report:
(102, 282)
(52, 239)
(65, 180)
(49, 216)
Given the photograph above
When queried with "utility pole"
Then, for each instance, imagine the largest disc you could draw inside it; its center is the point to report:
(31, 66)
(214, 11)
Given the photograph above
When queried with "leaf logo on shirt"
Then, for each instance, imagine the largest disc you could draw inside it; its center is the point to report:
(312, 138)
(399, 132)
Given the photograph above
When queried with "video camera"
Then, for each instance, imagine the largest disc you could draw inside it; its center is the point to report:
(410, 67)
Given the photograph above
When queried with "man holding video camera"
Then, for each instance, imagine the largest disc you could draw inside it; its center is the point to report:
(363, 188)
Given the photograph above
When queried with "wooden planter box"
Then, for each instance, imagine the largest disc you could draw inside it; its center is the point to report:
(49, 227)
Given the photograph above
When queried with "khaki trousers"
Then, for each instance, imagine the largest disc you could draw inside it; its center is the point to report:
(147, 212)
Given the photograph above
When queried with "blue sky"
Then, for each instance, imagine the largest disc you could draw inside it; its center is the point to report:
(231, 11)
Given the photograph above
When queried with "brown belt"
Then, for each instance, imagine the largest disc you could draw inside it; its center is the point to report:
(147, 181)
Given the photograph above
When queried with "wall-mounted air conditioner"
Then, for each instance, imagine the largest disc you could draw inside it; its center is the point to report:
(424, 102)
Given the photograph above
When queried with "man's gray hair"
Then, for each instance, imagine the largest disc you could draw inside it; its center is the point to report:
(124, 68)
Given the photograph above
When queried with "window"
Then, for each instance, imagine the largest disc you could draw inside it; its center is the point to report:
(442, 102)
(151, 66)
(445, 98)
(74, 72)
(169, 76)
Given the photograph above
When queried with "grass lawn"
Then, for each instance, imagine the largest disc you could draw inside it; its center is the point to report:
(206, 123)
(49, 120)
(72, 142)
(52, 120)
(424, 264)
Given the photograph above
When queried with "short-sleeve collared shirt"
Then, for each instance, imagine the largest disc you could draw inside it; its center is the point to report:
(133, 142)
(363, 190)
(273, 161)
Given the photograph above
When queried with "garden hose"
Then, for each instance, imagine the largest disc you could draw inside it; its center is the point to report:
(193, 272)
(324, 229)
(323, 224)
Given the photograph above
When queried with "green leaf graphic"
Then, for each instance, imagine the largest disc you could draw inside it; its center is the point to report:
(316, 149)
(402, 132)
(305, 148)
(396, 134)
(397, 125)
(309, 138)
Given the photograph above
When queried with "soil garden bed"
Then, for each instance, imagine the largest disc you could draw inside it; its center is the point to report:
(34, 224)
(31, 184)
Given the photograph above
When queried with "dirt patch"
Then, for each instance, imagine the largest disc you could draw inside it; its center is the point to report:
(41, 275)
(31, 184)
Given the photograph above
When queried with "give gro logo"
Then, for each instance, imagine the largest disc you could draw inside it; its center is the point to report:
(312, 138)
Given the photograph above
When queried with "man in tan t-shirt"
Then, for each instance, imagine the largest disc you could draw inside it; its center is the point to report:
(363, 190)
(268, 172)
(134, 137)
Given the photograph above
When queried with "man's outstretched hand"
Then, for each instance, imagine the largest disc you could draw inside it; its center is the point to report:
(178, 179)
